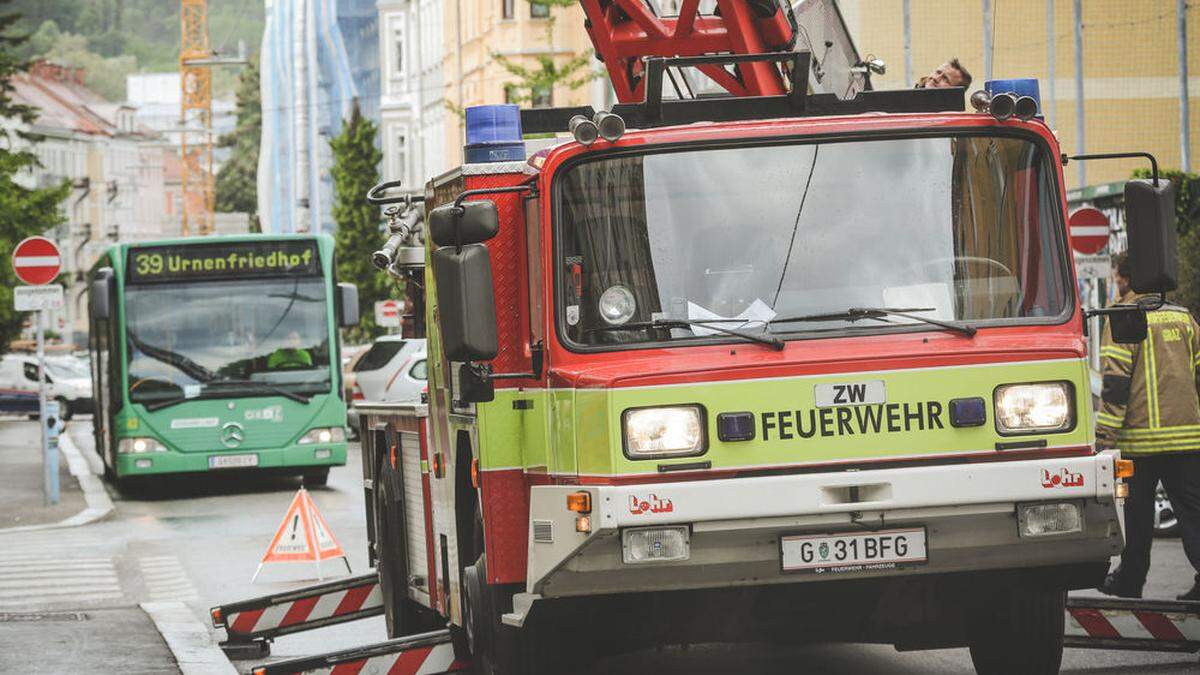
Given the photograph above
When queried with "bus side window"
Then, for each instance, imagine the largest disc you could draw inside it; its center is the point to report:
(533, 259)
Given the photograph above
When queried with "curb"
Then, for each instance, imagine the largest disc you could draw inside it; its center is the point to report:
(99, 504)
(187, 639)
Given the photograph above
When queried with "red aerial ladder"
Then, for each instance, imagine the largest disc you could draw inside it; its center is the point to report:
(625, 32)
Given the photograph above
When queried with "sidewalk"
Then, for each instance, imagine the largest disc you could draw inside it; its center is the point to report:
(21, 500)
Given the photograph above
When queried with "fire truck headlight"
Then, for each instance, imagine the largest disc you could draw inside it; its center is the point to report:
(673, 431)
(1034, 408)
(655, 544)
(617, 305)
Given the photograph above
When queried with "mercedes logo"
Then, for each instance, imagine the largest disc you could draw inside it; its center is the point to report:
(232, 435)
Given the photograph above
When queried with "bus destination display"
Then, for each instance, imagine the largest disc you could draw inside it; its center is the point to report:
(223, 261)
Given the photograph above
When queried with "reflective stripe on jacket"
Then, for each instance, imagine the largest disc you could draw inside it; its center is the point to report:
(1149, 402)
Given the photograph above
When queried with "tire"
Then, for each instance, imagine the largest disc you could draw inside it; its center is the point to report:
(1019, 631)
(492, 647)
(402, 615)
(317, 478)
(64, 409)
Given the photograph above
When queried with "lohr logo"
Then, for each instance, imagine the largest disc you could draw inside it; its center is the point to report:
(652, 504)
(1061, 478)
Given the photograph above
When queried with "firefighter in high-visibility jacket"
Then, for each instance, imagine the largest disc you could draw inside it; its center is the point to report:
(1151, 412)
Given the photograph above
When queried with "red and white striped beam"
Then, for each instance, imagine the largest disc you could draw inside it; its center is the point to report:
(1107, 623)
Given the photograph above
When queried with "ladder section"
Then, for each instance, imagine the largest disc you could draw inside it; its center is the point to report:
(625, 32)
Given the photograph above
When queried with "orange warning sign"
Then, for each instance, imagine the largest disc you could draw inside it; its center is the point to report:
(303, 536)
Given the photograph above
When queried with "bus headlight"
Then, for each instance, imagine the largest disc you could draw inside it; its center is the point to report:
(1034, 408)
(323, 435)
(137, 446)
(672, 431)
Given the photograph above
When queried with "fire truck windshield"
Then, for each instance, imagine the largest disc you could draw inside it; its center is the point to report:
(966, 227)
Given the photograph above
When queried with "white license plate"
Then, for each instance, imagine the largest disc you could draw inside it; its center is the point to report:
(870, 392)
(853, 551)
(232, 461)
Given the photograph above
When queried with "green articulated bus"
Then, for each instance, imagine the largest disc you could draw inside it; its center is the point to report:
(219, 353)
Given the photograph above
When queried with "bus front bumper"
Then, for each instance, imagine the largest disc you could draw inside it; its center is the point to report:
(972, 517)
(293, 458)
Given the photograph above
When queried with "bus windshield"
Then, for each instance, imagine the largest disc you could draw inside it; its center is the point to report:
(227, 338)
(962, 229)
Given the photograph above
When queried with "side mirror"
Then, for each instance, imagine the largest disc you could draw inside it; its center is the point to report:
(475, 384)
(1150, 228)
(1128, 327)
(466, 304)
(470, 223)
(347, 305)
(99, 294)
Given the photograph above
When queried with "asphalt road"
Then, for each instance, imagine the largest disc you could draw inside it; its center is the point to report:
(199, 541)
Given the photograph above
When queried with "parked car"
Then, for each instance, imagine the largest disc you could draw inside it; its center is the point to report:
(388, 363)
(67, 383)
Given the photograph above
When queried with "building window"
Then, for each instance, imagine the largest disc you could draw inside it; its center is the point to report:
(543, 97)
(538, 11)
(402, 157)
(506, 8)
(398, 52)
(512, 95)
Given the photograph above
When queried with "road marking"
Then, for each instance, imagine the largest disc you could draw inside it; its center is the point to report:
(166, 579)
(35, 581)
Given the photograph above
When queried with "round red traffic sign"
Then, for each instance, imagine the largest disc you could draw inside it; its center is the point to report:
(36, 261)
(1089, 230)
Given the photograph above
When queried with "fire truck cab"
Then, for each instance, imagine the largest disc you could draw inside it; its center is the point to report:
(797, 371)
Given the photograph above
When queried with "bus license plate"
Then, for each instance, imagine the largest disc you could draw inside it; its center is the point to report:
(232, 461)
(853, 551)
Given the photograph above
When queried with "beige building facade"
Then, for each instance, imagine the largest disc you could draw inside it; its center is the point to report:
(1131, 65)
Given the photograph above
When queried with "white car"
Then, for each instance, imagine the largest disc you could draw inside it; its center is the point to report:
(67, 382)
(393, 369)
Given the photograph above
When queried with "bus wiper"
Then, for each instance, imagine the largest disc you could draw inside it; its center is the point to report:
(166, 403)
(187, 366)
(299, 398)
(879, 314)
(766, 339)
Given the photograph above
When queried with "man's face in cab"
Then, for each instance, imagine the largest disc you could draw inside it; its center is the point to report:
(946, 75)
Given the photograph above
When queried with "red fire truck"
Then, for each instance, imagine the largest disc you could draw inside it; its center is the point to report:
(772, 366)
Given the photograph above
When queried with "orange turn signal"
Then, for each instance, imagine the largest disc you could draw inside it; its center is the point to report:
(475, 473)
(1123, 468)
(217, 619)
(579, 502)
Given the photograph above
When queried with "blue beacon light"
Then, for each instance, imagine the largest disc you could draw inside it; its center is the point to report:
(494, 134)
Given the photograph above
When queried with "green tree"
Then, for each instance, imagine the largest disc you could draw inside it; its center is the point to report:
(359, 226)
(535, 85)
(237, 181)
(23, 211)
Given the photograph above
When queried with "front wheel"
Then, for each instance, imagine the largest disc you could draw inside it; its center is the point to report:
(401, 614)
(1019, 631)
(316, 478)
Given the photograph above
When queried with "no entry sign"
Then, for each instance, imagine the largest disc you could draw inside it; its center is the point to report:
(36, 261)
(1089, 230)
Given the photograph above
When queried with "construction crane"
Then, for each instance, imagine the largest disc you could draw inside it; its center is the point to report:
(196, 106)
(196, 60)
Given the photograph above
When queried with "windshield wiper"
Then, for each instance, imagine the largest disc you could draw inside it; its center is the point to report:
(166, 403)
(299, 398)
(879, 314)
(187, 366)
(769, 340)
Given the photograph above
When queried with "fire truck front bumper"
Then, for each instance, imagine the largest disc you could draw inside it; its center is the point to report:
(823, 526)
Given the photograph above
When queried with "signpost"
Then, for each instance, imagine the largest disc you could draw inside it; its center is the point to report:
(36, 261)
(1089, 230)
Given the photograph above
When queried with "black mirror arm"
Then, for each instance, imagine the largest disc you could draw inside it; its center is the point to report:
(462, 196)
(1119, 155)
(1155, 303)
(535, 362)
(375, 195)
